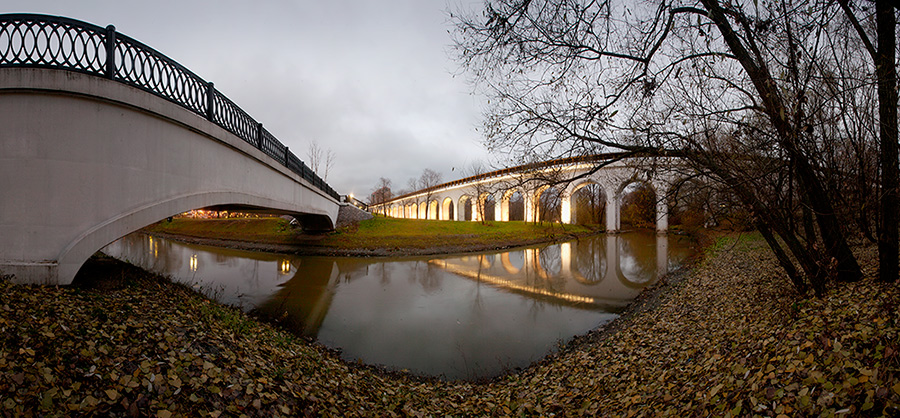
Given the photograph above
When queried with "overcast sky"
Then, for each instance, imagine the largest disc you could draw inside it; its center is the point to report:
(371, 80)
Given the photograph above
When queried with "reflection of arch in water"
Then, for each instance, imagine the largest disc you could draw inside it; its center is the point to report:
(548, 262)
(635, 275)
(589, 265)
(510, 258)
(486, 260)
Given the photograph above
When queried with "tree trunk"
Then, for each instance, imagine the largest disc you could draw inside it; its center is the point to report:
(886, 74)
(835, 242)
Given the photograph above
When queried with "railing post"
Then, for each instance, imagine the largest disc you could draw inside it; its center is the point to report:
(110, 52)
(259, 135)
(211, 101)
(286, 153)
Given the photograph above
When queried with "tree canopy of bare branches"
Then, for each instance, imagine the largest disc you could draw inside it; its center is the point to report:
(382, 193)
(754, 96)
(321, 160)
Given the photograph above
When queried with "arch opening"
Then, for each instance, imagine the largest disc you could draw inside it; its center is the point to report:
(433, 210)
(588, 204)
(487, 207)
(638, 207)
(512, 206)
(447, 211)
(465, 208)
(548, 204)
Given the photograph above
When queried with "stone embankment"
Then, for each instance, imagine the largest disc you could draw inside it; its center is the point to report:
(351, 215)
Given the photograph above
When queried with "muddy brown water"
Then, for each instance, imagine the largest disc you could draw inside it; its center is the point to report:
(466, 316)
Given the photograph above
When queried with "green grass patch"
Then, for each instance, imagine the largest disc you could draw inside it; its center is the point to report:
(381, 232)
(269, 230)
(376, 233)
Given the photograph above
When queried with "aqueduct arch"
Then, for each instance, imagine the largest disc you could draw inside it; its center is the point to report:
(501, 185)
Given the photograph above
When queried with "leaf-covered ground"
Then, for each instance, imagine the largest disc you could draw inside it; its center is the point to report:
(729, 338)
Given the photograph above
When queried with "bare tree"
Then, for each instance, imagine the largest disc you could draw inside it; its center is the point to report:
(320, 158)
(480, 189)
(413, 185)
(381, 194)
(427, 181)
(694, 80)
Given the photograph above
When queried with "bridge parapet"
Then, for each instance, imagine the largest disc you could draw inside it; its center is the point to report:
(42, 41)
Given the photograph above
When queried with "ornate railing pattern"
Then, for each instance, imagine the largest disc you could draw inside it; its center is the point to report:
(30, 40)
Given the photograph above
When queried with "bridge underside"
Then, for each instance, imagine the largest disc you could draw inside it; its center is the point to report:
(85, 161)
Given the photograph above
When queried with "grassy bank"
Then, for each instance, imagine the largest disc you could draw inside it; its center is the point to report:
(381, 232)
(730, 338)
(268, 230)
(377, 234)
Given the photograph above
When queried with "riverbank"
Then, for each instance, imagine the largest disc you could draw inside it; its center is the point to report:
(730, 337)
(375, 237)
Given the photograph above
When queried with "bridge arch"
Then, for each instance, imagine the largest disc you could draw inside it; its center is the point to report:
(659, 205)
(135, 138)
(117, 159)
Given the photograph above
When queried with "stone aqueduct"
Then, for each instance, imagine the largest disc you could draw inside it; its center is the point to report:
(611, 172)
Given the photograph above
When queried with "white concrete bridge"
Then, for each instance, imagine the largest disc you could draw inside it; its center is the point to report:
(451, 201)
(102, 135)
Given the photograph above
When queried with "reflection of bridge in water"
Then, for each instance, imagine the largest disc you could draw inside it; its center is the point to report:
(604, 272)
(450, 315)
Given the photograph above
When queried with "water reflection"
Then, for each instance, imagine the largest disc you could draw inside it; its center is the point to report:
(457, 317)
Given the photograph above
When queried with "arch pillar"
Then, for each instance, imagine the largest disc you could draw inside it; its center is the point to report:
(498, 209)
(565, 208)
(612, 212)
(503, 205)
(529, 202)
(662, 215)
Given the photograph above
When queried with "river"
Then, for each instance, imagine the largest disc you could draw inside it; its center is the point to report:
(453, 317)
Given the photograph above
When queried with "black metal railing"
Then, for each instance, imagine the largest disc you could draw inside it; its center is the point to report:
(41, 41)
